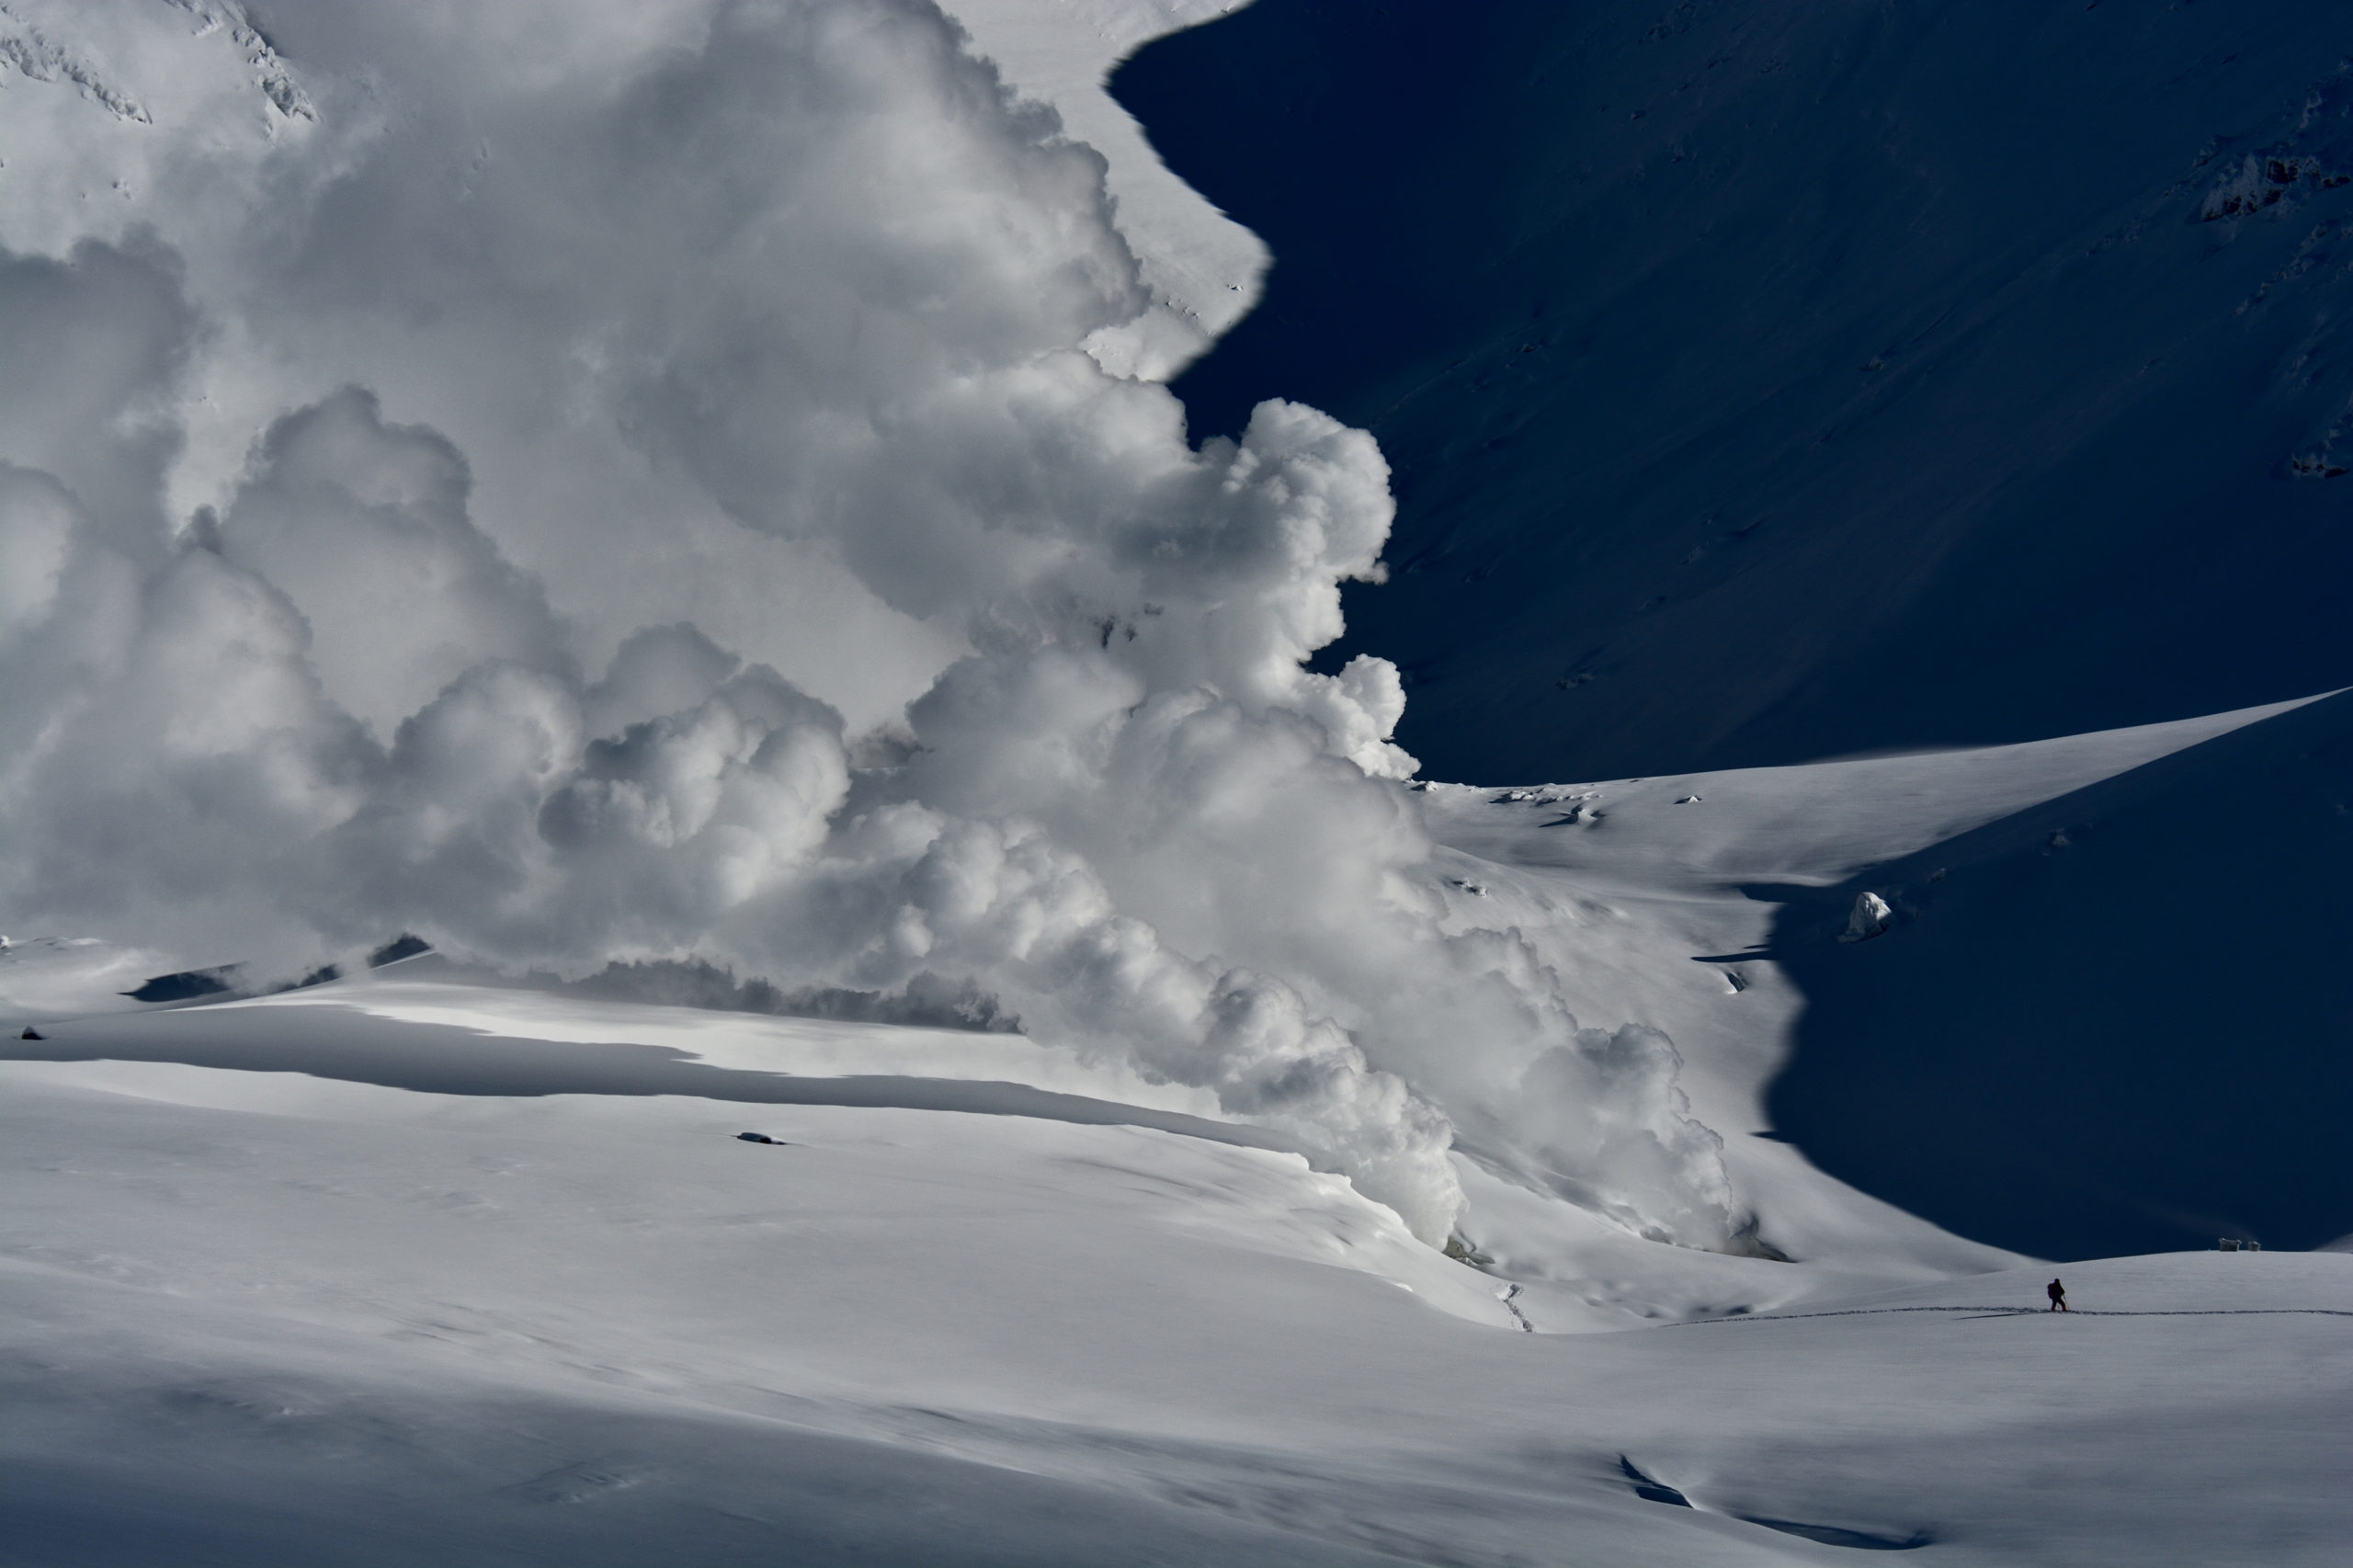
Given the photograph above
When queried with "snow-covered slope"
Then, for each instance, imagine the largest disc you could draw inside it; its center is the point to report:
(64, 977)
(1203, 268)
(2112, 1022)
(1710, 905)
(355, 1273)
(398, 370)
(1773, 382)
(261, 1317)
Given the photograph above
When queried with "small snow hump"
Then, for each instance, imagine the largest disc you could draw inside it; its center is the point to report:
(1867, 919)
(759, 1138)
(1649, 1490)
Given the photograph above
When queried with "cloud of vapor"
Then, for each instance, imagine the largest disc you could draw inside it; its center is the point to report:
(636, 493)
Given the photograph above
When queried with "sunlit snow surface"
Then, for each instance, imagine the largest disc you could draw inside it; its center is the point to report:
(426, 1267)
(257, 1317)
(270, 1315)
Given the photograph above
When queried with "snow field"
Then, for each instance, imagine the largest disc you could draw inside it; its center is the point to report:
(539, 1321)
(492, 1279)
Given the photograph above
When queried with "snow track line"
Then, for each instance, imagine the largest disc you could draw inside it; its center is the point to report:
(2032, 1312)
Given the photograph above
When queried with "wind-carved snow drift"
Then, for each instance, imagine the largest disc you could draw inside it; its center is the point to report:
(472, 504)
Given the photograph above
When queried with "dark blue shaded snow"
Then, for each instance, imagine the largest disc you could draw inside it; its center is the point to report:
(2116, 1023)
(1766, 383)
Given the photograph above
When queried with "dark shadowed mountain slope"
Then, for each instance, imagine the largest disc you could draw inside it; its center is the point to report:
(1766, 383)
(2117, 1022)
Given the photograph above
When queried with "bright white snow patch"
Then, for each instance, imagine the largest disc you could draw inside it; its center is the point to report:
(275, 1314)
(1205, 271)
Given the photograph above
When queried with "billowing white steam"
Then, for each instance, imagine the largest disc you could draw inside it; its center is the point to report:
(463, 464)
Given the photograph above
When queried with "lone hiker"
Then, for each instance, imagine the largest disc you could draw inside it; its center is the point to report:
(2058, 1294)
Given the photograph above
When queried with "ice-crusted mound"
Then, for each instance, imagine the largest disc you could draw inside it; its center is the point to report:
(483, 509)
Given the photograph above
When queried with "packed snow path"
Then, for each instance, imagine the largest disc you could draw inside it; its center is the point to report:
(2035, 1311)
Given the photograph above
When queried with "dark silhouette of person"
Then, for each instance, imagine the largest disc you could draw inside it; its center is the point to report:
(2058, 1294)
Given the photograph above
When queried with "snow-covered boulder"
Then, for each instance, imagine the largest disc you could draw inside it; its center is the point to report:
(1867, 919)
